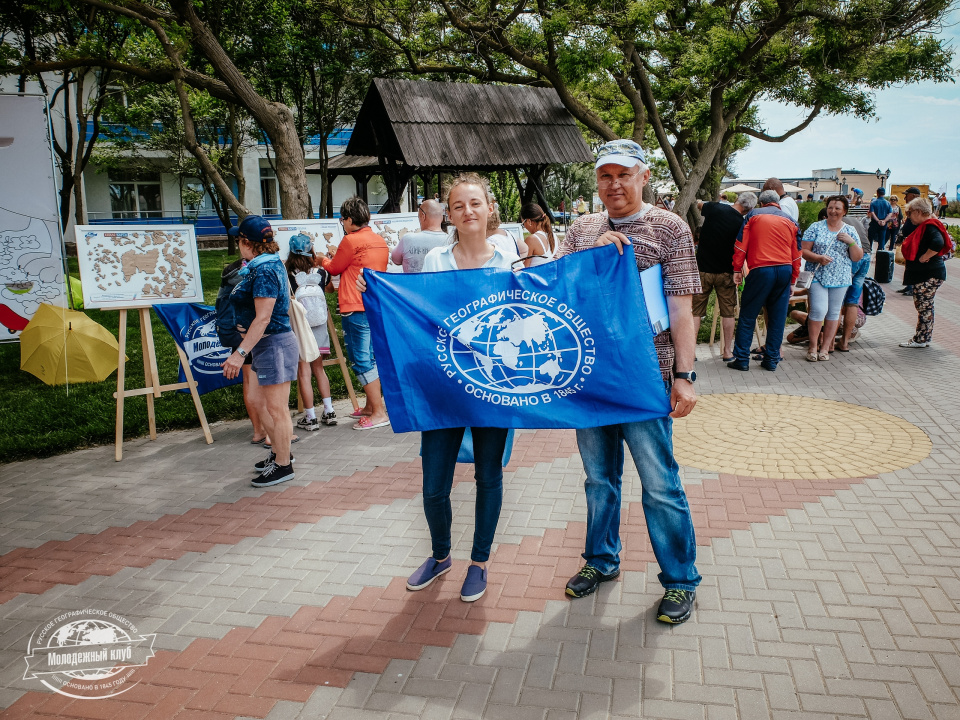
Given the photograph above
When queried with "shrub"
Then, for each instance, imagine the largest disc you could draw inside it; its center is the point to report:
(953, 208)
(808, 213)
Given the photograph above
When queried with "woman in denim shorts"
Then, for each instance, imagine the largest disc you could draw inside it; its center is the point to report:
(262, 303)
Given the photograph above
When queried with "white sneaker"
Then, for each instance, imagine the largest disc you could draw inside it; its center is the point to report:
(310, 424)
(912, 344)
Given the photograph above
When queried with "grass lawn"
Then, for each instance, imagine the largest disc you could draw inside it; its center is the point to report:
(37, 420)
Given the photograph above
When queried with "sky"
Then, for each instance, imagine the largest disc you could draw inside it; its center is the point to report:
(916, 134)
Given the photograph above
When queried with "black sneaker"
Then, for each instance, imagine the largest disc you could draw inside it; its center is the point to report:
(329, 418)
(767, 365)
(262, 465)
(274, 475)
(676, 606)
(587, 581)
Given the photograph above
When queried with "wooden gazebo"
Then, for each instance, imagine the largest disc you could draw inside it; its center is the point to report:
(409, 128)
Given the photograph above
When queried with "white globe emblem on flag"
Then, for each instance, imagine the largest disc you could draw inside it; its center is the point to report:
(516, 348)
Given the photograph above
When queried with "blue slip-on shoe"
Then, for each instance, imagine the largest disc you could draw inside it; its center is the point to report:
(475, 584)
(737, 365)
(428, 572)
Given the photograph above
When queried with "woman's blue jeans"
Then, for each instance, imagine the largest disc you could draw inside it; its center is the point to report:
(439, 450)
(356, 331)
(665, 507)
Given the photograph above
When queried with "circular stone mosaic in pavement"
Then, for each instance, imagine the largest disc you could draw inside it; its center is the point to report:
(785, 436)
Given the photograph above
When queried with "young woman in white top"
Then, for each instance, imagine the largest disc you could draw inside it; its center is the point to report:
(470, 204)
(541, 243)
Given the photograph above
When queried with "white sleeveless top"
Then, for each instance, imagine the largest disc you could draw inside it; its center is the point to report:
(545, 242)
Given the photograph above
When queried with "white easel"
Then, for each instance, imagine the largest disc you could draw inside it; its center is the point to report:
(153, 388)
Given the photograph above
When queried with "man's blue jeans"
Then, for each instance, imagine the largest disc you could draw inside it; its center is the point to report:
(765, 287)
(439, 449)
(877, 233)
(664, 502)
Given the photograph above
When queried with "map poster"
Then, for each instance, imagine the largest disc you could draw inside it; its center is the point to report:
(123, 266)
(31, 249)
(322, 232)
(515, 230)
(393, 226)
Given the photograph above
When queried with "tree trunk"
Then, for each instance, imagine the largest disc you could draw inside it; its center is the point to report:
(275, 119)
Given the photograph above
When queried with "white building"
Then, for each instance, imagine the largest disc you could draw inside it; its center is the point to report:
(137, 196)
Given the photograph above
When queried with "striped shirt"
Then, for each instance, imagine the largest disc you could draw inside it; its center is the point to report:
(658, 236)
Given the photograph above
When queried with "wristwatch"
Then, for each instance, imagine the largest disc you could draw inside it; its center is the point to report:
(690, 377)
(241, 352)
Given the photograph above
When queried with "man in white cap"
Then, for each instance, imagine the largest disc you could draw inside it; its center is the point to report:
(654, 236)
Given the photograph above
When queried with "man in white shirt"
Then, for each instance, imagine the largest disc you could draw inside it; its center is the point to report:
(787, 203)
(413, 247)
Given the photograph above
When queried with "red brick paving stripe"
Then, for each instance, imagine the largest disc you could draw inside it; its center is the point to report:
(70, 562)
(249, 670)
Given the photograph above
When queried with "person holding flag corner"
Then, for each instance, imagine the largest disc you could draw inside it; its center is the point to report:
(470, 203)
(655, 236)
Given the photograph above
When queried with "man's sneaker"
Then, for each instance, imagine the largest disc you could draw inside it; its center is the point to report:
(676, 606)
(428, 572)
(767, 365)
(914, 344)
(475, 584)
(737, 365)
(263, 464)
(587, 581)
(274, 475)
(309, 424)
(329, 418)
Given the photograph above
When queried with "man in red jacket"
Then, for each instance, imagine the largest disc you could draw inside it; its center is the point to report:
(770, 244)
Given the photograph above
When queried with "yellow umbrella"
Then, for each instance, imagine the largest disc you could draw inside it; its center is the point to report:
(64, 346)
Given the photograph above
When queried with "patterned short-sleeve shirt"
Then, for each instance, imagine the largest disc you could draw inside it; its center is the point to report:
(658, 236)
(839, 272)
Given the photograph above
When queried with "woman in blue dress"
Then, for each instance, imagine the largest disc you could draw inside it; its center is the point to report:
(830, 248)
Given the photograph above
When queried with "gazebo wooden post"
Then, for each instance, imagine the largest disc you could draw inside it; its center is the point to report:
(536, 178)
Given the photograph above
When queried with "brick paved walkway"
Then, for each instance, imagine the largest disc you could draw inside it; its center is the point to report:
(822, 598)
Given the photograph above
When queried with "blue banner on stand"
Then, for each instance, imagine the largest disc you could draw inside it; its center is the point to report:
(194, 329)
(566, 344)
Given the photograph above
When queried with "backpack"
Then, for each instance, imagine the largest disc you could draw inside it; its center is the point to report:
(873, 297)
(311, 296)
(227, 331)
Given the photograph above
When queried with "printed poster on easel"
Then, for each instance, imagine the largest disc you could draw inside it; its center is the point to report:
(129, 266)
(393, 226)
(31, 247)
(324, 233)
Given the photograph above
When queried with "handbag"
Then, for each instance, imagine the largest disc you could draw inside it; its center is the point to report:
(898, 258)
(309, 350)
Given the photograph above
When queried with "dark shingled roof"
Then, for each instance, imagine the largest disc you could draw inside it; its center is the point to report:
(461, 125)
(345, 163)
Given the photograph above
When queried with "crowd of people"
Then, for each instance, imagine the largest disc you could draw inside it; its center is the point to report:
(754, 242)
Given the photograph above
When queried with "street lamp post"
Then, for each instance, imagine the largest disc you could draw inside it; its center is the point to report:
(882, 177)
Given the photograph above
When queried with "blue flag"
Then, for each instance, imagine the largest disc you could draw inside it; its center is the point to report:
(566, 344)
(194, 329)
